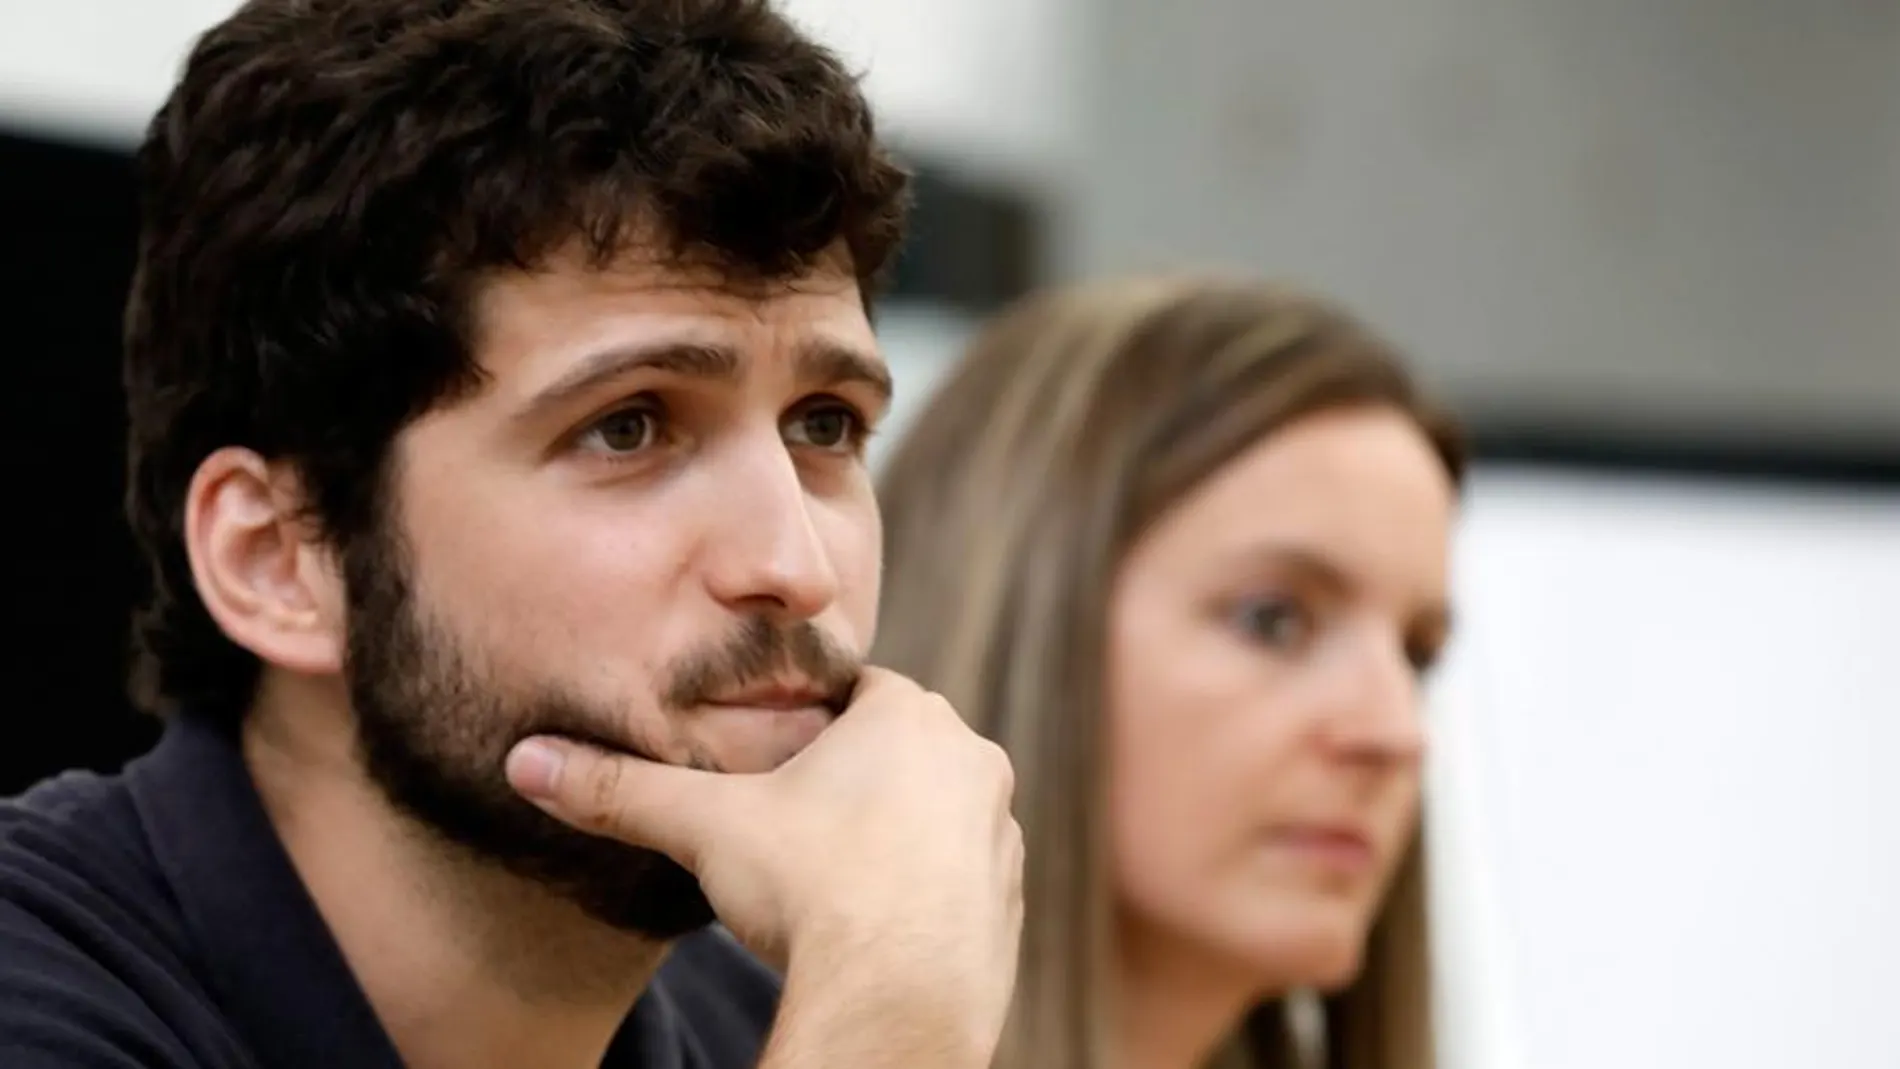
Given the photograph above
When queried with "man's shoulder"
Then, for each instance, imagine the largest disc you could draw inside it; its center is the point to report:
(92, 959)
(71, 844)
(77, 803)
(725, 996)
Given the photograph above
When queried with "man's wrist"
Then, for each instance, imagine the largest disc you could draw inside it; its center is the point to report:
(851, 998)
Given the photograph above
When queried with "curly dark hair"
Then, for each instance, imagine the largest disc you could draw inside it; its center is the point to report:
(330, 178)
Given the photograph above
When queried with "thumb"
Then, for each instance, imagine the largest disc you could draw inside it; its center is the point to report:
(636, 801)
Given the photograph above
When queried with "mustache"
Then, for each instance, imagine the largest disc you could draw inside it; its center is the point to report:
(761, 651)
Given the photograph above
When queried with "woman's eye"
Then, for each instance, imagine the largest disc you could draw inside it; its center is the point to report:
(835, 428)
(626, 431)
(1277, 622)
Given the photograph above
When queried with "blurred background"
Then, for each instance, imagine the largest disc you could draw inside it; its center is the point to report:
(1650, 249)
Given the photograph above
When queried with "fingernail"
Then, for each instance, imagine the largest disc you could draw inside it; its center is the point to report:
(533, 768)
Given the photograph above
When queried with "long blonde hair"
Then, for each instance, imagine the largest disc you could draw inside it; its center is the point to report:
(1075, 420)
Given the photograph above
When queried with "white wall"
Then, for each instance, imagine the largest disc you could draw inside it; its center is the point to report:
(989, 83)
(920, 341)
(98, 68)
(1682, 212)
(1667, 778)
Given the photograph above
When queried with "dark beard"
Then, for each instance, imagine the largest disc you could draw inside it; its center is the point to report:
(435, 729)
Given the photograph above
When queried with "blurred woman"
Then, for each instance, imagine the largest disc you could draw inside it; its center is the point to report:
(1180, 546)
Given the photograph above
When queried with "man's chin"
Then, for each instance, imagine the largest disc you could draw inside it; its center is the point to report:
(735, 738)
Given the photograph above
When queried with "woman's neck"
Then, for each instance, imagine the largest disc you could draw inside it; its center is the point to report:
(1175, 1009)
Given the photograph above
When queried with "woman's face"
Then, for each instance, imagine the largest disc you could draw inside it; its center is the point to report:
(1266, 638)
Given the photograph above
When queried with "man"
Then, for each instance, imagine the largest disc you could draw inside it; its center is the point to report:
(499, 376)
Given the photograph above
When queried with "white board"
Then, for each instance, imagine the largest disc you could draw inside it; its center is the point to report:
(1664, 784)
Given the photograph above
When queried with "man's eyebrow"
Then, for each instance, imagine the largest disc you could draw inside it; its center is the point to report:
(711, 362)
(826, 364)
(817, 364)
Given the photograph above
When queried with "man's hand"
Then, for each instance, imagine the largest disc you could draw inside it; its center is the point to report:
(881, 867)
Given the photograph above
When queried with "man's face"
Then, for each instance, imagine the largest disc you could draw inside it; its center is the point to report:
(652, 528)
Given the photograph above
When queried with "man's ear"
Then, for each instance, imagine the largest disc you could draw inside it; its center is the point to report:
(267, 579)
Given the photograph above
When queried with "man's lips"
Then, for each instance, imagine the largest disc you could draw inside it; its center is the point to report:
(785, 695)
(774, 698)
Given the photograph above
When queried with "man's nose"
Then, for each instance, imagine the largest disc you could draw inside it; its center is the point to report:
(764, 552)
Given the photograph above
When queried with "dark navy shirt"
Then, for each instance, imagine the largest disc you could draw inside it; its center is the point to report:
(153, 920)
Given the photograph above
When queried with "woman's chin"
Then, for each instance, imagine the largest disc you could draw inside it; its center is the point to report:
(1319, 952)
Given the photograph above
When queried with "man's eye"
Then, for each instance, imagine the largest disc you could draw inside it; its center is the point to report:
(834, 427)
(626, 431)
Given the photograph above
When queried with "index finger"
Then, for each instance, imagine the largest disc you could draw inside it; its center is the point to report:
(630, 799)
